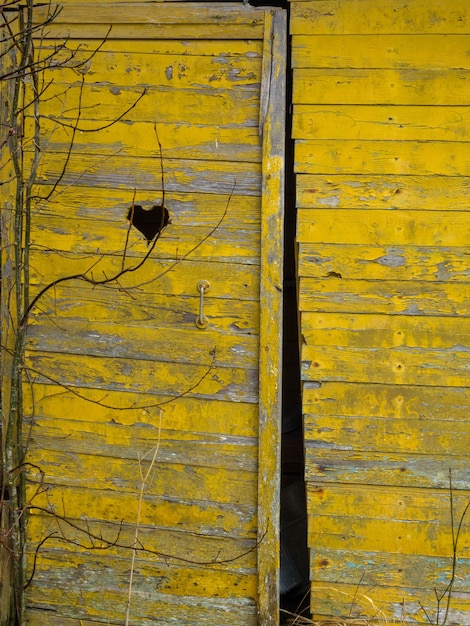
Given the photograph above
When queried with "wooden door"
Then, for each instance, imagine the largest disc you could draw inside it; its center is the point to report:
(154, 439)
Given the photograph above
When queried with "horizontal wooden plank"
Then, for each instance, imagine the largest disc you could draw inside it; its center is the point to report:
(362, 296)
(161, 544)
(138, 139)
(381, 50)
(192, 516)
(132, 434)
(427, 468)
(174, 481)
(387, 603)
(86, 337)
(409, 448)
(77, 12)
(383, 331)
(440, 158)
(177, 277)
(376, 123)
(104, 584)
(367, 17)
(394, 570)
(134, 68)
(387, 366)
(372, 262)
(79, 301)
(383, 227)
(249, 48)
(203, 381)
(378, 86)
(119, 172)
(142, 30)
(81, 237)
(425, 512)
(167, 611)
(412, 402)
(359, 191)
(196, 105)
(195, 209)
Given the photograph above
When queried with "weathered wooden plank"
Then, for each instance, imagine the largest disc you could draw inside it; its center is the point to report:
(420, 449)
(367, 17)
(102, 590)
(182, 21)
(134, 68)
(383, 227)
(79, 301)
(235, 553)
(138, 139)
(186, 614)
(425, 512)
(381, 50)
(383, 192)
(184, 420)
(388, 366)
(198, 13)
(195, 105)
(251, 48)
(395, 570)
(89, 604)
(411, 402)
(192, 209)
(100, 31)
(362, 296)
(173, 481)
(272, 127)
(132, 434)
(404, 605)
(372, 262)
(115, 171)
(192, 516)
(178, 277)
(407, 469)
(440, 158)
(381, 87)
(86, 337)
(170, 379)
(81, 237)
(381, 331)
(376, 123)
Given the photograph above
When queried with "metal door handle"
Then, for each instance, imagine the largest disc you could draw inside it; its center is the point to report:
(201, 320)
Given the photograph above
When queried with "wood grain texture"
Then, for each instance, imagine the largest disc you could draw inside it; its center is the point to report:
(380, 87)
(320, 17)
(272, 121)
(380, 127)
(361, 191)
(382, 157)
(373, 123)
(118, 371)
(381, 50)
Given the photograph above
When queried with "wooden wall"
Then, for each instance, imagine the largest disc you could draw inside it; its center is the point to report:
(139, 420)
(381, 126)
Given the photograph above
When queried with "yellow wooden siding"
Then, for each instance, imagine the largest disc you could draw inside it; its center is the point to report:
(381, 130)
(114, 374)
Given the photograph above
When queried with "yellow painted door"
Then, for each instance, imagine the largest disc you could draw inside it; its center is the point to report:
(153, 408)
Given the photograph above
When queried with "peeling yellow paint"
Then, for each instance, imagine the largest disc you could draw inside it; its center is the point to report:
(381, 128)
(166, 111)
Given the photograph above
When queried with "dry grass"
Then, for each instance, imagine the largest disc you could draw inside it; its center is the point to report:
(373, 616)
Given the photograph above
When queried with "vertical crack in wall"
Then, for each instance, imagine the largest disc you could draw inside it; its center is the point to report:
(295, 586)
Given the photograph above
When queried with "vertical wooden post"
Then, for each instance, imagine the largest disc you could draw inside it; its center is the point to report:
(272, 125)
